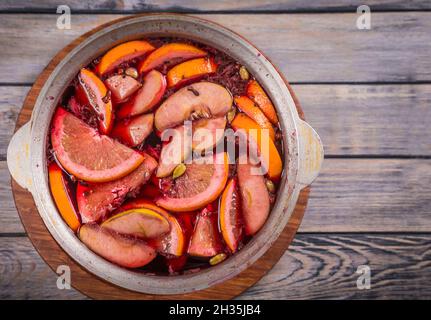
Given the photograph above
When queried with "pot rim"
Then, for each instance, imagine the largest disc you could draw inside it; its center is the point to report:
(280, 214)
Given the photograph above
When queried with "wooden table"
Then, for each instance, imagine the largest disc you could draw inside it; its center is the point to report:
(367, 93)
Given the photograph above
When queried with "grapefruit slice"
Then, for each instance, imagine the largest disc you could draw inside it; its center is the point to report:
(201, 184)
(122, 53)
(92, 91)
(95, 201)
(205, 241)
(173, 243)
(255, 200)
(170, 52)
(60, 193)
(230, 216)
(120, 249)
(86, 154)
(141, 223)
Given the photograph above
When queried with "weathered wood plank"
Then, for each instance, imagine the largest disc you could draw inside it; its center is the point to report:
(350, 195)
(324, 267)
(9, 218)
(351, 120)
(306, 47)
(360, 195)
(368, 119)
(315, 267)
(24, 275)
(11, 100)
(207, 5)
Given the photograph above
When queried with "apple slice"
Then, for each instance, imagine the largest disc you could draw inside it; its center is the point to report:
(198, 100)
(61, 195)
(190, 70)
(174, 152)
(122, 53)
(255, 201)
(96, 201)
(207, 133)
(170, 52)
(134, 131)
(231, 224)
(117, 248)
(91, 90)
(141, 223)
(147, 97)
(205, 241)
(172, 243)
(122, 87)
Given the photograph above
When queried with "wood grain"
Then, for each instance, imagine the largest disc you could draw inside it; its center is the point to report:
(350, 195)
(208, 5)
(351, 120)
(396, 49)
(315, 267)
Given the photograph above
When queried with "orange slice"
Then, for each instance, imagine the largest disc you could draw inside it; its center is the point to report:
(189, 70)
(122, 53)
(247, 106)
(58, 185)
(169, 52)
(258, 95)
(271, 159)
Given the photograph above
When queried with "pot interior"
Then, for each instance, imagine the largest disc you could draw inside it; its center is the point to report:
(158, 26)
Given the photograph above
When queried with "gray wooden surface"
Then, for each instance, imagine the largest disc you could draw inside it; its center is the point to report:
(368, 95)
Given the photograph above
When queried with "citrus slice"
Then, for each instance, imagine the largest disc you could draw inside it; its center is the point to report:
(59, 190)
(122, 53)
(190, 70)
(270, 156)
(170, 52)
(258, 95)
(97, 200)
(86, 154)
(125, 251)
(141, 223)
(247, 106)
(173, 243)
(201, 184)
(230, 215)
(91, 90)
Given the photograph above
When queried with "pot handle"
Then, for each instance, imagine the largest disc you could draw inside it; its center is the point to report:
(310, 154)
(18, 157)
